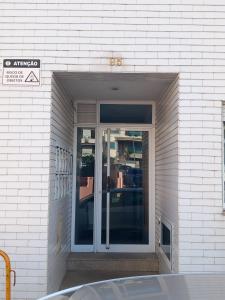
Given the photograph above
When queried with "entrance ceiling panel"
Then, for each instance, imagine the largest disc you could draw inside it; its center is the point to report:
(115, 86)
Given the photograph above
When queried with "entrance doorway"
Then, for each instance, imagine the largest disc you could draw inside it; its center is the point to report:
(114, 175)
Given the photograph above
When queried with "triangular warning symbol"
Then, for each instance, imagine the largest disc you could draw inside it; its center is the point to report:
(31, 77)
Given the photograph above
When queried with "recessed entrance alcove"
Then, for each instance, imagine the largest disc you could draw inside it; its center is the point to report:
(114, 128)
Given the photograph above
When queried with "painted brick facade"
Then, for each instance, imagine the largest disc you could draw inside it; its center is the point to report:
(166, 162)
(180, 36)
(59, 228)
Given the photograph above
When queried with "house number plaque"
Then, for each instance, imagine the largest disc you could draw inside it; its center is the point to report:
(116, 61)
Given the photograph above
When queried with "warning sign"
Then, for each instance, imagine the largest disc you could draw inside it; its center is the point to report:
(21, 71)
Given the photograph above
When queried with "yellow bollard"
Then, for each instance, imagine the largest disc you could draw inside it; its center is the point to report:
(8, 275)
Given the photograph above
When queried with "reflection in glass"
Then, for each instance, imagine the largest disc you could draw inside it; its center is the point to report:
(128, 168)
(85, 186)
(126, 113)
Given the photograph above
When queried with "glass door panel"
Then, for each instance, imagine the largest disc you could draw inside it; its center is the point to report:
(84, 212)
(125, 187)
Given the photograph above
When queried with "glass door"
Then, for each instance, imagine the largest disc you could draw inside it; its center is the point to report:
(124, 211)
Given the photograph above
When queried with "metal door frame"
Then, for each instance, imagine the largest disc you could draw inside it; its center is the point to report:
(98, 203)
(97, 247)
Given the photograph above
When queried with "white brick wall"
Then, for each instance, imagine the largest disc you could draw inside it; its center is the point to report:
(185, 37)
(62, 115)
(24, 165)
(166, 153)
(200, 185)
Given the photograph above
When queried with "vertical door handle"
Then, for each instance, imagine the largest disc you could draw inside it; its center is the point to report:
(108, 211)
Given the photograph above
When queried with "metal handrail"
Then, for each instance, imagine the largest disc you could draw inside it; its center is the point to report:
(8, 275)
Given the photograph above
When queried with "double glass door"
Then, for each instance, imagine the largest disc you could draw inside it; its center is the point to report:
(113, 210)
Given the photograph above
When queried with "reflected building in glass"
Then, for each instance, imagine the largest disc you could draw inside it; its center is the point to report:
(85, 185)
